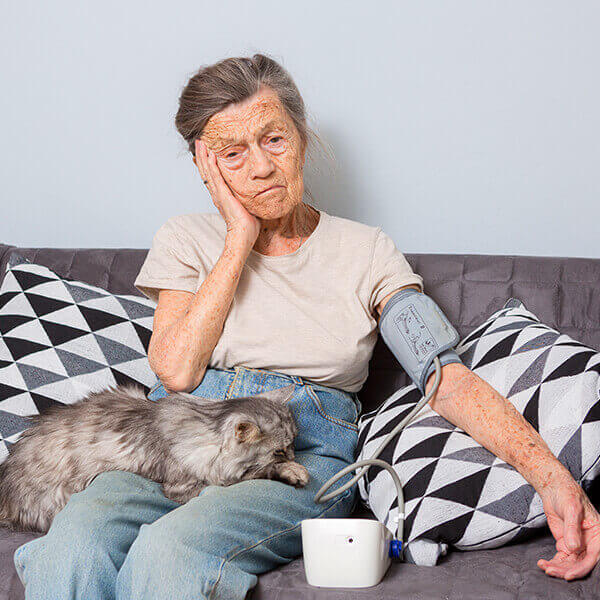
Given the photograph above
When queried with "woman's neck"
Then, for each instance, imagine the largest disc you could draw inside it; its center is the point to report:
(286, 234)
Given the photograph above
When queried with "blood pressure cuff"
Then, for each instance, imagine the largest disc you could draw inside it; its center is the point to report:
(416, 331)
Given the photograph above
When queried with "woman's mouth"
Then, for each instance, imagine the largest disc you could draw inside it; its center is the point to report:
(273, 187)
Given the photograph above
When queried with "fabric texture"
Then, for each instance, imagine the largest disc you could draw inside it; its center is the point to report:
(309, 313)
(61, 339)
(122, 538)
(456, 492)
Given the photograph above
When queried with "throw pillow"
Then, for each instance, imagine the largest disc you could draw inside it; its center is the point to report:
(61, 339)
(457, 493)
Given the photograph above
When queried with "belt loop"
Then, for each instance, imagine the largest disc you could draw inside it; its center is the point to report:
(358, 403)
(232, 384)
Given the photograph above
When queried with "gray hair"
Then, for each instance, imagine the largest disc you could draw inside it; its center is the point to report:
(214, 87)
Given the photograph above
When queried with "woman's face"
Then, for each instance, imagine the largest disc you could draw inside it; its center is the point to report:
(258, 146)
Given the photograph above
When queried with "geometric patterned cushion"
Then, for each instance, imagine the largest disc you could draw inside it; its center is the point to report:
(459, 494)
(61, 339)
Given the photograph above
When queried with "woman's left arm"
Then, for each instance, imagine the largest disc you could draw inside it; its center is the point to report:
(469, 402)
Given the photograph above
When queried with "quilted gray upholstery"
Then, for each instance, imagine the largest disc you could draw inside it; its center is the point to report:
(562, 292)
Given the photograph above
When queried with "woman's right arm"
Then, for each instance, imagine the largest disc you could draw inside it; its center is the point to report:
(187, 326)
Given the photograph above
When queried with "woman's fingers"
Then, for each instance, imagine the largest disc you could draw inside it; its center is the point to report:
(209, 169)
(569, 566)
(201, 161)
(198, 150)
(217, 186)
(215, 173)
(557, 568)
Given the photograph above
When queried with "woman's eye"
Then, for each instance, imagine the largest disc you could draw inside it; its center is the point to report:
(231, 155)
(277, 137)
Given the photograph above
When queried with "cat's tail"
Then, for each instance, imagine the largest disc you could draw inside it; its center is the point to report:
(11, 521)
(5, 521)
(4, 515)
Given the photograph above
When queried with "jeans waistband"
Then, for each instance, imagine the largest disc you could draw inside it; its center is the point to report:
(260, 375)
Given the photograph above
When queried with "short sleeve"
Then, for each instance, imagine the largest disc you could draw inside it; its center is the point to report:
(389, 270)
(171, 263)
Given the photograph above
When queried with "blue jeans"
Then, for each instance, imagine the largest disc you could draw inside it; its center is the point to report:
(122, 538)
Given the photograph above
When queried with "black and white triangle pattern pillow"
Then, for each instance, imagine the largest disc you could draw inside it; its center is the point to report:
(459, 494)
(61, 339)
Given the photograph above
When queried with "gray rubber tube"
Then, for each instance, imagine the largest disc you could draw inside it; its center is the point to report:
(374, 461)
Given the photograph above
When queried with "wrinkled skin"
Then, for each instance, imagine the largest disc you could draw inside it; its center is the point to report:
(256, 145)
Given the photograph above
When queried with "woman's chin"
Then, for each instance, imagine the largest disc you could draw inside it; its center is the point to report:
(274, 208)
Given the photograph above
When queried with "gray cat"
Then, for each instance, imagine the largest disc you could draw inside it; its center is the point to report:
(181, 441)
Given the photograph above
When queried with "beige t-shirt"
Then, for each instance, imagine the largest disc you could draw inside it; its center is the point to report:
(308, 313)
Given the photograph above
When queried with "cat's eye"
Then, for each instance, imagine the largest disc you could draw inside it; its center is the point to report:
(280, 453)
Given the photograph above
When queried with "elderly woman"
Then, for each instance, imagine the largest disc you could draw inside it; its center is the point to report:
(269, 292)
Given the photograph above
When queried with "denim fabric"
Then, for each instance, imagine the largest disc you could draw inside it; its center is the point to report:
(122, 538)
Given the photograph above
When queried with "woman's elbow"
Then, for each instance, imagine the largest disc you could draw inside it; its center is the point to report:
(180, 382)
(178, 385)
(171, 375)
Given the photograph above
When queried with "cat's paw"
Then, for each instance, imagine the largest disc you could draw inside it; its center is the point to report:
(294, 474)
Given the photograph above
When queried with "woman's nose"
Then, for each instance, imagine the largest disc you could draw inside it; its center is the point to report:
(261, 164)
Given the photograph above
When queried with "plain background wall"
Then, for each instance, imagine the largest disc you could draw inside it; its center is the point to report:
(467, 127)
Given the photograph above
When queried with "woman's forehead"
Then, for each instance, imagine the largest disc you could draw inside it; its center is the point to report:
(244, 121)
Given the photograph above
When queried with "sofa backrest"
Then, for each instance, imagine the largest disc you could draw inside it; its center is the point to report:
(562, 292)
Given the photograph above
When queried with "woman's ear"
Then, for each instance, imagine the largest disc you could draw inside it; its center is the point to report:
(246, 431)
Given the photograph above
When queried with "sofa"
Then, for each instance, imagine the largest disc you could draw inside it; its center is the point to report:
(563, 292)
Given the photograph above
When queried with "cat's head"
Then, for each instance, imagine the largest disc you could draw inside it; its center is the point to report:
(261, 428)
(252, 432)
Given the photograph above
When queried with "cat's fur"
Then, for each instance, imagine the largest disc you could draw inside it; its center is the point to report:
(181, 441)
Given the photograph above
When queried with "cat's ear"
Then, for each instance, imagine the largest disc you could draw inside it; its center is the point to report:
(282, 394)
(246, 431)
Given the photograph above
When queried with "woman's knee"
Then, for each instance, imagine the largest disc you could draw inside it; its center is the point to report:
(78, 540)
(170, 536)
(90, 517)
(165, 557)
(164, 561)
(155, 543)
(209, 526)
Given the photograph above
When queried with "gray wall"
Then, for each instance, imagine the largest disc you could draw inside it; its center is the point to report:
(457, 126)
